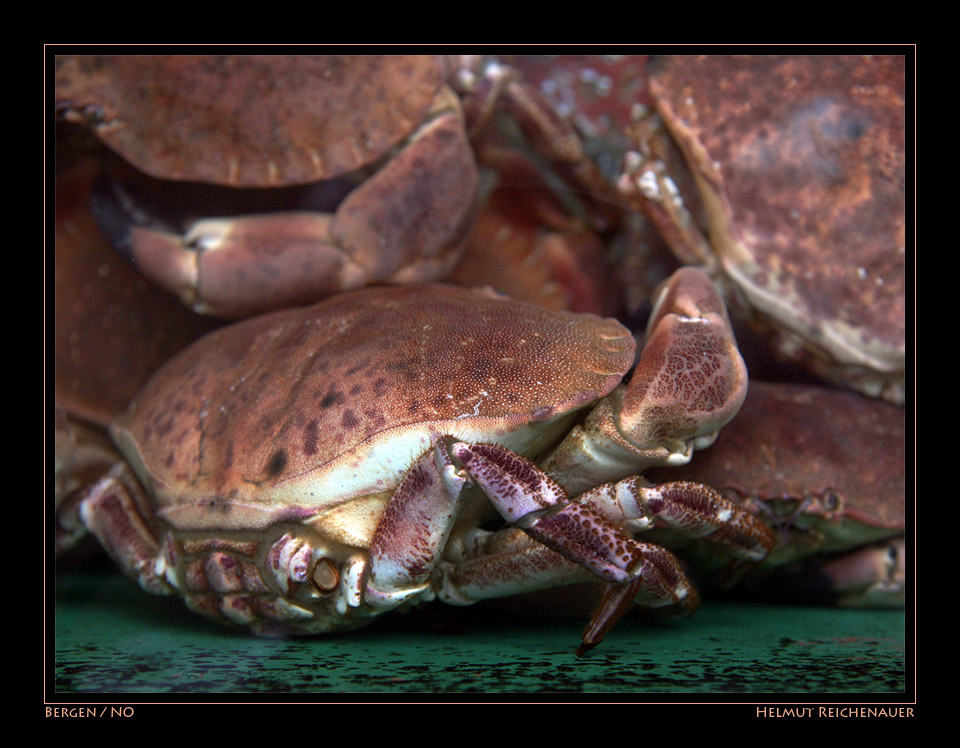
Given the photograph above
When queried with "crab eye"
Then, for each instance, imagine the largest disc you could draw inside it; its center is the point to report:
(325, 576)
(831, 501)
(893, 556)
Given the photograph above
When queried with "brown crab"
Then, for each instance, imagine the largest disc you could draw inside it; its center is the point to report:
(826, 467)
(250, 122)
(799, 167)
(358, 169)
(306, 470)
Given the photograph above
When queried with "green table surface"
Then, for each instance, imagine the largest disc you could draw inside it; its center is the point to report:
(109, 637)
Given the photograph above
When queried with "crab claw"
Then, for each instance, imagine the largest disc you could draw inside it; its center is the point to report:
(870, 577)
(689, 382)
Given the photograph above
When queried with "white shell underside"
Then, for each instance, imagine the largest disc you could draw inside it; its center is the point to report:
(373, 467)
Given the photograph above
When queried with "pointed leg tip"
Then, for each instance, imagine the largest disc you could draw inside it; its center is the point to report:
(585, 647)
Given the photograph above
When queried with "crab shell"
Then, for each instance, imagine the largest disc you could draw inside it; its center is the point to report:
(309, 408)
(248, 120)
(800, 165)
(113, 328)
(280, 180)
(826, 467)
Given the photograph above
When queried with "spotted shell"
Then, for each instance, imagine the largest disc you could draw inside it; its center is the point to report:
(275, 416)
(190, 117)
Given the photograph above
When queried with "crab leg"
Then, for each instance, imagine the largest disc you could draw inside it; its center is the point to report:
(529, 499)
(114, 511)
(691, 509)
(507, 563)
(587, 531)
(616, 600)
(413, 530)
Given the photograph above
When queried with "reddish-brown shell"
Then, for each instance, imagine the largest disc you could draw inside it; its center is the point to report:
(248, 120)
(318, 405)
(839, 451)
(802, 162)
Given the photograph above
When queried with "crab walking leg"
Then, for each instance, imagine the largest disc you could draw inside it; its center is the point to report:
(529, 499)
(508, 563)
(505, 563)
(413, 530)
(114, 511)
(616, 600)
(691, 509)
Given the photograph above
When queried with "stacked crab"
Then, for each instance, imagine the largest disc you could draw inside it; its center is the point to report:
(399, 441)
(798, 171)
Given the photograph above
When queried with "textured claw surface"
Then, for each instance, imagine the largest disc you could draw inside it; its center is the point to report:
(690, 380)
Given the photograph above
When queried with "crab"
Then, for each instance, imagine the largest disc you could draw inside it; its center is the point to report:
(799, 169)
(189, 118)
(310, 175)
(826, 468)
(306, 470)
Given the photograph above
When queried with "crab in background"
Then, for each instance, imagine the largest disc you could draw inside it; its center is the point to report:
(250, 183)
(790, 189)
(784, 177)
(826, 469)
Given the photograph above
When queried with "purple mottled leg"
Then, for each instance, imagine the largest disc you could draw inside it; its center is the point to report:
(505, 563)
(531, 500)
(413, 530)
(616, 600)
(693, 510)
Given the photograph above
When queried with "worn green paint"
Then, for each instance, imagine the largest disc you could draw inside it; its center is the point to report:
(112, 638)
